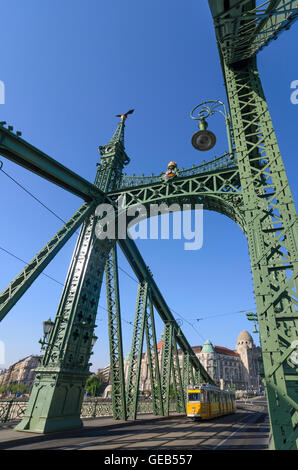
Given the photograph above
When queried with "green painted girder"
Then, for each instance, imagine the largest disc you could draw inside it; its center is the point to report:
(198, 378)
(272, 232)
(242, 30)
(166, 363)
(135, 356)
(115, 336)
(152, 357)
(185, 375)
(270, 217)
(193, 376)
(14, 291)
(177, 379)
(26, 155)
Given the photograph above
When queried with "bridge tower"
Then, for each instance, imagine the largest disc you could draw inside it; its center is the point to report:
(58, 390)
(270, 220)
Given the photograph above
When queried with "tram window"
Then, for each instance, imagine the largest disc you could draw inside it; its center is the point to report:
(194, 396)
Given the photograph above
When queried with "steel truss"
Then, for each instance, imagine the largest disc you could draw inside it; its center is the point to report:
(135, 357)
(166, 365)
(271, 229)
(177, 380)
(242, 29)
(153, 362)
(115, 336)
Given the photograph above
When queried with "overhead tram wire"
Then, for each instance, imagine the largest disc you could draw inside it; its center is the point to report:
(34, 197)
(20, 259)
(52, 278)
(191, 324)
(225, 314)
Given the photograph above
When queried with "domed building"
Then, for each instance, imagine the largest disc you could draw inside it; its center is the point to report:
(237, 368)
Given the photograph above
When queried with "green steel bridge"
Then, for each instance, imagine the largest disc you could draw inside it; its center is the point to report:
(248, 184)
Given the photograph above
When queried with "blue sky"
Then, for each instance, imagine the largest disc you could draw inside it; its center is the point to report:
(68, 68)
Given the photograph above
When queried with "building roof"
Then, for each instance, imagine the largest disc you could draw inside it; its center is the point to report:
(218, 349)
(208, 347)
(225, 351)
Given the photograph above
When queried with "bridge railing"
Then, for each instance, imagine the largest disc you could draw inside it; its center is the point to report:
(226, 161)
(14, 409)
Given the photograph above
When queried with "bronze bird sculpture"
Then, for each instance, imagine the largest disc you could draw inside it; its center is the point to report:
(124, 116)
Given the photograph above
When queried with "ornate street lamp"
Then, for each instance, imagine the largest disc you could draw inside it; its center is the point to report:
(203, 139)
(253, 317)
(47, 328)
(93, 341)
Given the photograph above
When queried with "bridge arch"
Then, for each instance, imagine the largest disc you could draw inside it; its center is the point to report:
(228, 204)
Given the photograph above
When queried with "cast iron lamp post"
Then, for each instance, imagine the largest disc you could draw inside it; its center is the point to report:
(205, 140)
(47, 328)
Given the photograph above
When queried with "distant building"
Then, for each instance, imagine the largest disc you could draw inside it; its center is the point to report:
(105, 372)
(22, 372)
(238, 368)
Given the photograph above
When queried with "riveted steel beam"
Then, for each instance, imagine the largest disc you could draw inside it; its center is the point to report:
(272, 233)
(177, 380)
(185, 374)
(26, 155)
(166, 363)
(135, 358)
(242, 29)
(153, 362)
(115, 336)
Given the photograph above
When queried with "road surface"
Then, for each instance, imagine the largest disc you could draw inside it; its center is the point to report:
(248, 429)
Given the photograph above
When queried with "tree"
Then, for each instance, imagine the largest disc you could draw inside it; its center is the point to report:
(95, 385)
(14, 388)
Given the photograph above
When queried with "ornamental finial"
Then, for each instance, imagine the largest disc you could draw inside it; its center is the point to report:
(124, 116)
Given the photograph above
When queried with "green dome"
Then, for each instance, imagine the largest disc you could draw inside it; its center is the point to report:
(208, 347)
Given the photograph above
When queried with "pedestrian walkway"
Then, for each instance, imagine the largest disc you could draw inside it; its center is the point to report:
(9, 437)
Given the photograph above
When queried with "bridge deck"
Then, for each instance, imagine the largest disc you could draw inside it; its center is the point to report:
(247, 429)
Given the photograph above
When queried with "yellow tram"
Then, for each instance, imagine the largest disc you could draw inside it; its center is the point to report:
(206, 401)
